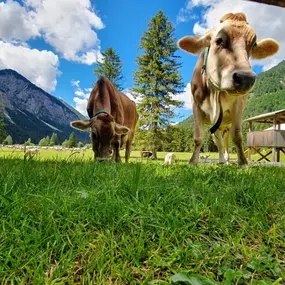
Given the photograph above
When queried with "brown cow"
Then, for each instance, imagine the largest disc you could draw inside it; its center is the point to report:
(222, 78)
(113, 118)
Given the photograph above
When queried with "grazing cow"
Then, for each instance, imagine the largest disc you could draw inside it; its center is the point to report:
(31, 152)
(222, 78)
(146, 154)
(113, 118)
(169, 159)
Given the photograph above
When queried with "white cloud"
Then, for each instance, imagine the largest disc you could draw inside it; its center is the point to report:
(131, 94)
(40, 67)
(67, 25)
(81, 98)
(16, 22)
(89, 57)
(268, 21)
(185, 97)
(88, 90)
(185, 15)
(75, 83)
(81, 105)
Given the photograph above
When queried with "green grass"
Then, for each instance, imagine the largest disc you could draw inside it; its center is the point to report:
(71, 221)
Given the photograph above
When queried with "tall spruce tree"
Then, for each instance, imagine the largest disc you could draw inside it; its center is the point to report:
(110, 67)
(8, 140)
(72, 140)
(157, 78)
(53, 140)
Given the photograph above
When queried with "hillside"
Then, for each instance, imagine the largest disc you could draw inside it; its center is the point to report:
(268, 94)
(30, 112)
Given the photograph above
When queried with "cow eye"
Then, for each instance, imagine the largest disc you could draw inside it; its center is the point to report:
(219, 41)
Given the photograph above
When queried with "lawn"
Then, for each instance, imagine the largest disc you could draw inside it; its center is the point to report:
(67, 220)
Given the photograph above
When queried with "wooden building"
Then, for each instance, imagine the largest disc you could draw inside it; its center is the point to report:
(280, 3)
(272, 138)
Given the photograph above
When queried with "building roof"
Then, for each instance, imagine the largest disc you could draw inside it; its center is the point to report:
(282, 128)
(269, 117)
(279, 3)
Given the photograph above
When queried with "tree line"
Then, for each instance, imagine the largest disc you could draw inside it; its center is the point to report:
(72, 141)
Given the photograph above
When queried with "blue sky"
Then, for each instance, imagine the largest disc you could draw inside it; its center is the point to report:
(55, 43)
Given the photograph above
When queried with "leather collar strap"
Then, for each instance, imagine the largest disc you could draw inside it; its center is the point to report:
(101, 112)
(206, 53)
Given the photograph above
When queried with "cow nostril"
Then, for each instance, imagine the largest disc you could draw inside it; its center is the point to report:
(237, 78)
(244, 80)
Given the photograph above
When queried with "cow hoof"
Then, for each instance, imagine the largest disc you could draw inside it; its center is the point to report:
(243, 166)
(242, 163)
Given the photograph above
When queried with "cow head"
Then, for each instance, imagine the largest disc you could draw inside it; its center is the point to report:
(103, 131)
(230, 44)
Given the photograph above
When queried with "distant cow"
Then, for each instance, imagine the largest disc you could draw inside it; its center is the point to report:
(222, 78)
(204, 157)
(31, 152)
(169, 159)
(146, 154)
(113, 118)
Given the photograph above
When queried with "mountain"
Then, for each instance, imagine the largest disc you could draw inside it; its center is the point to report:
(268, 94)
(30, 112)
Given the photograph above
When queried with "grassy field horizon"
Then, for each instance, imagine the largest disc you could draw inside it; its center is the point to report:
(87, 155)
(73, 221)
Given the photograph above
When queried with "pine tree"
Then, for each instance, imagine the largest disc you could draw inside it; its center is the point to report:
(48, 140)
(2, 131)
(110, 67)
(29, 142)
(8, 140)
(72, 140)
(157, 78)
(53, 140)
(65, 143)
(43, 142)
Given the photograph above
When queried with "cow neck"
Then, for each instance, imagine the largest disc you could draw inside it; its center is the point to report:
(217, 106)
(217, 110)
(100, 112)
(102, 103)
(206, 53)
(219, 113)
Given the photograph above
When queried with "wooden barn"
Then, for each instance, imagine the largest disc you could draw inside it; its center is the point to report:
(272, 138)
(280, 3)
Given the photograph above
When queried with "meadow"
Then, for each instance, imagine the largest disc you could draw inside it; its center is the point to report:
(67, 220)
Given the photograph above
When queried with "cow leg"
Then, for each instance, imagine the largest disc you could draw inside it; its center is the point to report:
(198, 135)
(218, 139)
(94, 145)
(226, 146)
(237, 140)
(129, 146)
(116, 147)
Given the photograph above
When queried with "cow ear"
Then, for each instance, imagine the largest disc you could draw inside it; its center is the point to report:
(194, 44)
(121, 130)
(265, 48)
(82, 125)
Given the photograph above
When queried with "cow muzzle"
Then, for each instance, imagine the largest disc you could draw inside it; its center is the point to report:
(101, 159)
(243, 80)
